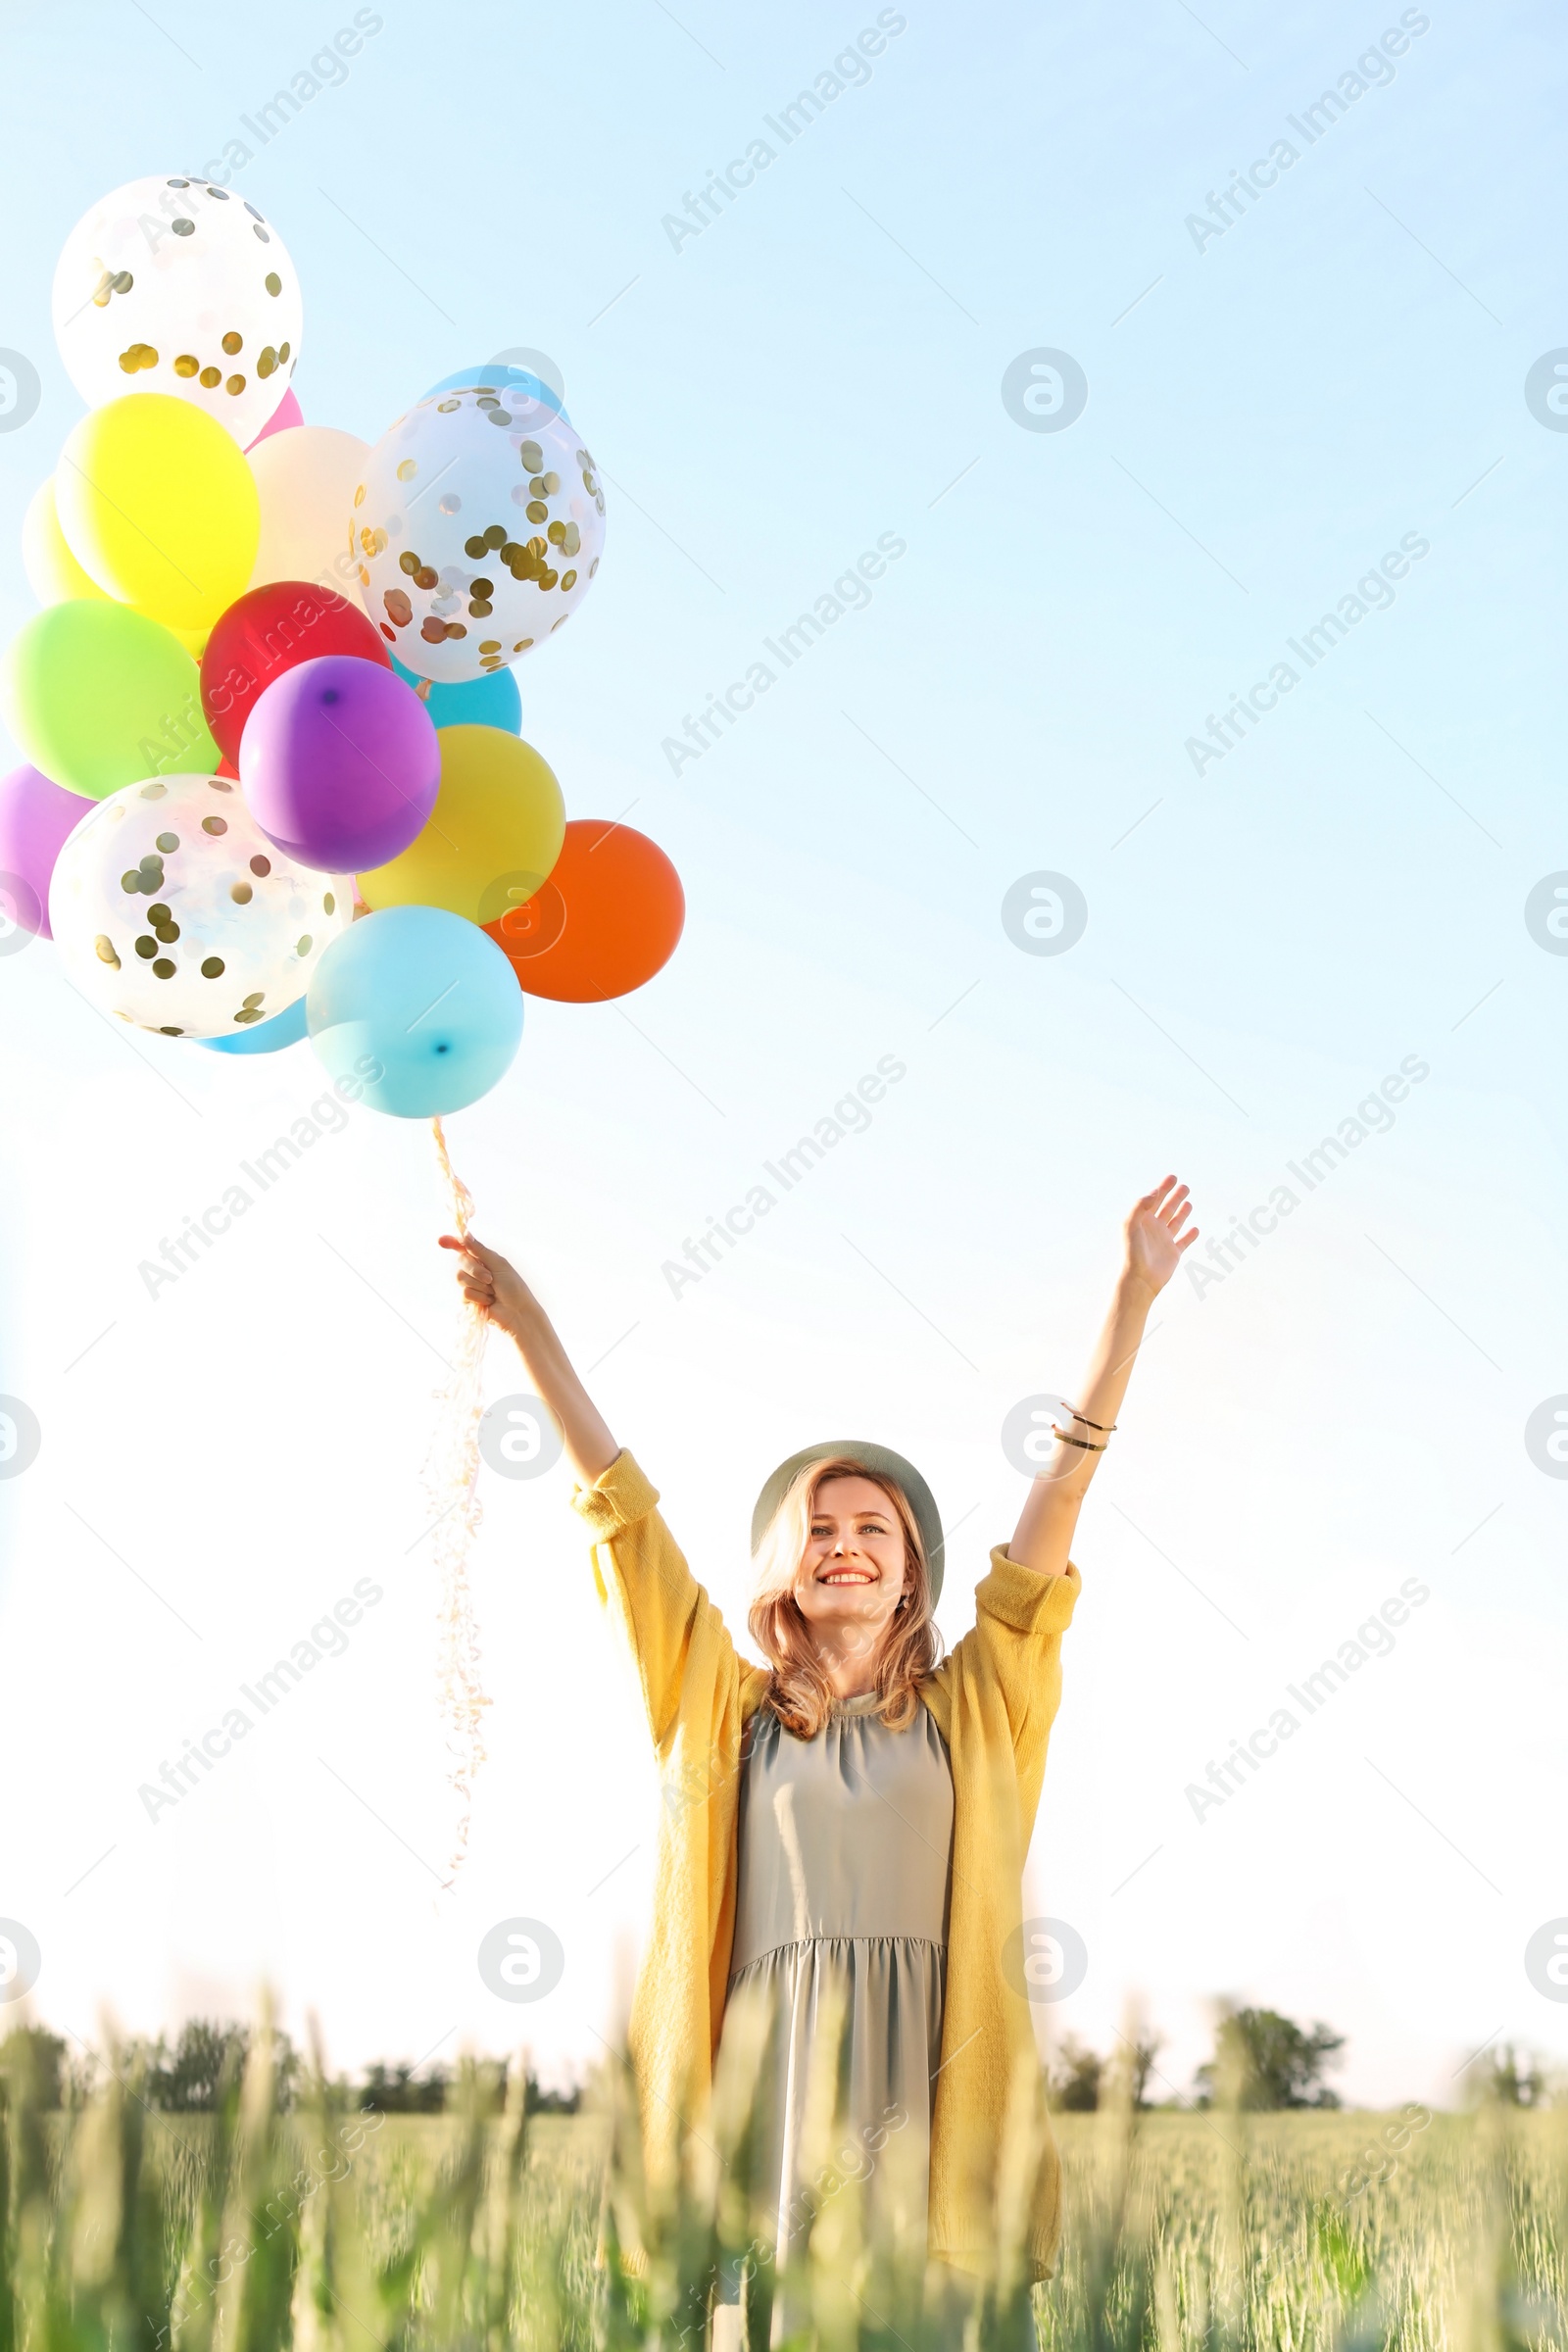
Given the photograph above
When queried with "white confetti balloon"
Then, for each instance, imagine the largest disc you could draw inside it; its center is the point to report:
(478, 524)
(172, 910)
(179, 286)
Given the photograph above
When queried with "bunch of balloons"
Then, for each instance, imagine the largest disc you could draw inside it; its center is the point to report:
(276, 781)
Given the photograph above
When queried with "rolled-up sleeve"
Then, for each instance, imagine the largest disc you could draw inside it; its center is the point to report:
(1013, 1655)
(617, 1498)
(1024, 1600)
(1020, 1617)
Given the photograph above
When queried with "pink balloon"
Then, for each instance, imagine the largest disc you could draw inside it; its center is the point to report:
(35, 817)
(287, 412)
(340, 764)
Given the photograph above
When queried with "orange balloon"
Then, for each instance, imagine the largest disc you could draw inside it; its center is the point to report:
(606, 920)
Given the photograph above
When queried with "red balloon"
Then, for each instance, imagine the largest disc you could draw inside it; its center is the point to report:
(268, 631)
(606, 919)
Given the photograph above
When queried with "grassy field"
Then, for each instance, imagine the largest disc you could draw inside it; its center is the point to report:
(1298, 2229)
(1214, 2231)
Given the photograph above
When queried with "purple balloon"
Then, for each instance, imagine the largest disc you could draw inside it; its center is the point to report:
(36, 818)
(340, 764)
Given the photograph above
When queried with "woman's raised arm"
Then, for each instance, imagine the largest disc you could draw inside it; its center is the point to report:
(693, 1680)
(1154, 1242)
(500, 1293)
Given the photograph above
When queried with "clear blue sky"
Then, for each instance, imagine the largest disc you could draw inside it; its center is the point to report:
(1271, 410)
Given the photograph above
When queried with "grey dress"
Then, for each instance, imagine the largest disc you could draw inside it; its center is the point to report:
(844, 1864)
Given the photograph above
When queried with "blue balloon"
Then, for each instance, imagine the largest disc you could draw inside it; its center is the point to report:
(417, 1005)
(285, 1028)
(488, 702)
(500, 378)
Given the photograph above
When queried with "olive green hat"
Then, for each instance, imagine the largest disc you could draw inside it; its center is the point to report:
(878, 1462)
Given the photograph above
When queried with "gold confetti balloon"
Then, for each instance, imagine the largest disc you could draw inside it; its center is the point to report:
(478, 528)
(173, 911)
(179, 286)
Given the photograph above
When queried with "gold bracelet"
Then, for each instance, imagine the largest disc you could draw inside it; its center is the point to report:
(1082, 1443)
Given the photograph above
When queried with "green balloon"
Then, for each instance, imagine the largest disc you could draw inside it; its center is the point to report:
(98, 696)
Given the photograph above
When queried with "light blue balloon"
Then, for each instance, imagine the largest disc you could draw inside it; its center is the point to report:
(492, 701)
(417, 1005)
(285, 1028)
(500, 378)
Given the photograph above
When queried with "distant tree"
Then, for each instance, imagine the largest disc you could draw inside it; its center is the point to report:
(1079, 2080)
(187, 2079)
(1263, 2060)
(552, 2102)
(1072, 2082)
(1512, 2080)
(400, 2091)
(33, 2059)
(1135, 2059)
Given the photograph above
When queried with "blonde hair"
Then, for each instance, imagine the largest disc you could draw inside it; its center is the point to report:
(798, 1692)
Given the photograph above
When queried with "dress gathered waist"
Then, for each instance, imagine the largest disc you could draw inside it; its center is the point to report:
(848, 1834)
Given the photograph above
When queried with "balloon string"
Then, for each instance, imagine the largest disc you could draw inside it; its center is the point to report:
(451, 1475)
(462, 1198)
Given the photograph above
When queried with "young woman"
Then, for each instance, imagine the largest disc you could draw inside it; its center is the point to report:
(845, 1827)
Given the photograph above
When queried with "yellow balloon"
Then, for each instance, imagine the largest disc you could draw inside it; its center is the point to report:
(56, 577)
(159, 508)
(53, 573)
(494, 834)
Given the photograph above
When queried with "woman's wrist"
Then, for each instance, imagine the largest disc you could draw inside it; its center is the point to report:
(1134, 1293)
(524, 1321)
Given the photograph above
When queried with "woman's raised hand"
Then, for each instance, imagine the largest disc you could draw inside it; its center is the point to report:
(495, 1287)
(489, 1282)
(1154, 1236)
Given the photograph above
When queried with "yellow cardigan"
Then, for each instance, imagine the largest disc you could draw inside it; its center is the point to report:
(992, 1698)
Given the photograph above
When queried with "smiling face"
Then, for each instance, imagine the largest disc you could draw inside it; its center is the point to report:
(853, 1573)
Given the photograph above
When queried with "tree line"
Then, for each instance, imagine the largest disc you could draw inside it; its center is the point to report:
(1261, 2060)
(185, 2077)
